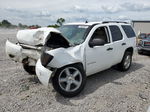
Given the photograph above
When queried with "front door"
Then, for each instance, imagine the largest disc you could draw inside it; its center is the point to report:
(98, 58)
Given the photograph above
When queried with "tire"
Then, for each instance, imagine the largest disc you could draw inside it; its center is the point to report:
(126, 62)
(70, 80)
(140, 52)
(29, 69)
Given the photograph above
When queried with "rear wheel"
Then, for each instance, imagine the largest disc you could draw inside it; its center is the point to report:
(29, 69)
(126, 62)
(69, 81)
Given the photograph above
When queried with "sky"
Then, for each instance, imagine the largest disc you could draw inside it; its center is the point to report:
(46, 12)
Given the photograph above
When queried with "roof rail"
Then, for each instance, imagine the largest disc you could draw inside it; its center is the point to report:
(114, 22)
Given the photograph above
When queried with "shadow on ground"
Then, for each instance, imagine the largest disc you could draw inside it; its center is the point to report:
(97, 80)
(34, 79)
(145, 54)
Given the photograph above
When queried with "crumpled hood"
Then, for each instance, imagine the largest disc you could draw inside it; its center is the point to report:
(35, 36)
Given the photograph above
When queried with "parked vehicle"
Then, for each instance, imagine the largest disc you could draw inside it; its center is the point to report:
(88, 48)
(140, 37)
(144, 44)
(29, 47)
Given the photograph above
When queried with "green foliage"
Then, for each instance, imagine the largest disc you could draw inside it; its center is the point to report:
(60, 21)
(34, 26)
(6, 24)
(54, 26)
(22, 26)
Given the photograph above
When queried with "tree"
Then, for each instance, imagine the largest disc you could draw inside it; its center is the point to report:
(60, 21)
(6, 23)
(54, 26)
(20, 25)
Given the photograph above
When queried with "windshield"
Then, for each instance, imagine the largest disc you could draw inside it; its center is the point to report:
(142, 36)
(74, 33)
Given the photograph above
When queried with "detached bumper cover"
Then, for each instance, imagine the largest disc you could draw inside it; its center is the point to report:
(17, 53)
(43, 73)
(13, 51)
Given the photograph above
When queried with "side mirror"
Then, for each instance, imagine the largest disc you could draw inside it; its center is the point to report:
(96, 42)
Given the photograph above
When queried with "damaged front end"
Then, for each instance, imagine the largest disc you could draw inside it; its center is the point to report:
(18, 52)
(60, 52)
(31, 43)
(55, 59)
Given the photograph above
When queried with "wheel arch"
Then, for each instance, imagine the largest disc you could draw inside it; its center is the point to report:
(129, 49)
(76, 63)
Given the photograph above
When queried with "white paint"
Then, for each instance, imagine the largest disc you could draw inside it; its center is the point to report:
(34, 36)
(14, 50)
(148, 109)
(28, 38)
(43, 73)
(19, 53)
(93, 59)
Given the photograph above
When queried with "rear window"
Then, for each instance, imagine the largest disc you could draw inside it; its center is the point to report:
(116, 33)
(128, 31)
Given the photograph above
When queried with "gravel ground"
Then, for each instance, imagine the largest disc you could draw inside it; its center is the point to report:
(107, 91)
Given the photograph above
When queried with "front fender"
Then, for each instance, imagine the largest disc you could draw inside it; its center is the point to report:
(63, 57)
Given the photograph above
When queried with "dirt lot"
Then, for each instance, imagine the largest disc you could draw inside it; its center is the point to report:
(108, 91)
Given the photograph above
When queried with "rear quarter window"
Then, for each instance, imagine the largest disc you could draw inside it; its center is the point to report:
(128, 31)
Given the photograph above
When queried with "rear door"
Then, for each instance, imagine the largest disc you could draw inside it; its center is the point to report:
(119, 43)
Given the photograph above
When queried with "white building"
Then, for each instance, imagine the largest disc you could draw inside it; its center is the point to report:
(141, 26)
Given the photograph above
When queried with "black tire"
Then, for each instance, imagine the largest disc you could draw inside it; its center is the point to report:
(29, 69)
(122, 66)
(140, 52)
(61, 87)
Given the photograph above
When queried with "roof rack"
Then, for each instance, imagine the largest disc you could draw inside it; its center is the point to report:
(114, 22)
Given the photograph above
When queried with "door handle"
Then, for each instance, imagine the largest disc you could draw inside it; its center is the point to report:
(109, 49)
(123, 44)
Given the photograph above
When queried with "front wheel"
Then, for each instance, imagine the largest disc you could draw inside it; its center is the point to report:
(126, 62)
(69, 81)
(140, 52)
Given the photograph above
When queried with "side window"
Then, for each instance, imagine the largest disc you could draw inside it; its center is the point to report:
(101, 33)
(128, 31)
(116, 33)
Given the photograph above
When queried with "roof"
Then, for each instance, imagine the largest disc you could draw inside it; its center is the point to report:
(101, 22)
(82, 23)
(144, 21)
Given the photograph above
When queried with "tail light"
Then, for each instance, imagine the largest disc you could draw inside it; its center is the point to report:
(45, 59)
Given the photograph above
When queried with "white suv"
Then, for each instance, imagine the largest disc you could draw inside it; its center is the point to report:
(83, 49)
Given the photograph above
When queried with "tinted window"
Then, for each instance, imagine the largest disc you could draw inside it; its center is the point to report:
(128, 30)
(100, 33)
(116, 33)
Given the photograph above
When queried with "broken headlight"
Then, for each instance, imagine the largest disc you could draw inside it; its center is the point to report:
(45, 59)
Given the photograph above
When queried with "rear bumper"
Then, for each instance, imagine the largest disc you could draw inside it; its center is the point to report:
(43, 73)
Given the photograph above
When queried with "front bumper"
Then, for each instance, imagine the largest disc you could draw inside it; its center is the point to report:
(43, 73)
(13, 51)
(17, 53)
(144, 48)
